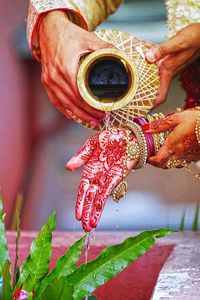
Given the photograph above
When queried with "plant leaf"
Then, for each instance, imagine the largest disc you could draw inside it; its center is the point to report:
(195, 226)
(7, 286)
(4, 255)
(182, 223)
(16, 270)
(111, 261)
(58, 290)
(36, 266)
(1, 288)
(64, 266)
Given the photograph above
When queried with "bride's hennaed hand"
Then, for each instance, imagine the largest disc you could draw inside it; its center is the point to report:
(62, 44)
(182, 142)
(104, 159)
(175, 55)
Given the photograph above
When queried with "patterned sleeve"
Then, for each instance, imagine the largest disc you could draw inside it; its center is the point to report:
(85, 13)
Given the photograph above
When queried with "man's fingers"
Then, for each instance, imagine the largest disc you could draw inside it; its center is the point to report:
(172, 46)
(76, 112)
(82, 155)
(162, 124)
(82, 191)
(165, 79)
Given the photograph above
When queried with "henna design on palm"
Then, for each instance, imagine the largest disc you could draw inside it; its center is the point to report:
(104, 159)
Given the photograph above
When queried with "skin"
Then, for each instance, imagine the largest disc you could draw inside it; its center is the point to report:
(104, 159)
(174, 56)
(181, 143)
(62, 45)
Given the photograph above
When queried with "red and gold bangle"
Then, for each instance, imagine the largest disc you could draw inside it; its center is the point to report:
(139, 134)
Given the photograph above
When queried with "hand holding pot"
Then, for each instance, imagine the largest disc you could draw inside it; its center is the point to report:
(62, 44)
(174, 55)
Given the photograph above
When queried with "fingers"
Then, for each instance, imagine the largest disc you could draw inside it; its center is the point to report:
(161, 160)
(101, 198)
(88, 207)
(82, 191)
(162, 124)
(172, 46)
(165, 80)
(83, 154)
(62, 101)
(70, 72)
(148, 44)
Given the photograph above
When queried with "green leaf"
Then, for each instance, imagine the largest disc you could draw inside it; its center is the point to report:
(1, 289)
(7, 286)
(182, 223)
(195, 226)
(64, 266)
(16, 270)
(4, 255)
(111, 261)
(36, 266)
(58, 290)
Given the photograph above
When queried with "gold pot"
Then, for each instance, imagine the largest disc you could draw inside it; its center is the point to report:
(127, 86)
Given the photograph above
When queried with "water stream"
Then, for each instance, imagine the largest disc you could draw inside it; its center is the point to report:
(90, 234)
(88, 240)
(107, 120)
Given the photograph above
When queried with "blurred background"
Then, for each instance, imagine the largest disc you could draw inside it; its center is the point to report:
(36, 141)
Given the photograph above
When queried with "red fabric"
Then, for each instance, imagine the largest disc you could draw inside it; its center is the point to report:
(190, 81)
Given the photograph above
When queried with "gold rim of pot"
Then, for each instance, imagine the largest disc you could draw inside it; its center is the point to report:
(85, 91)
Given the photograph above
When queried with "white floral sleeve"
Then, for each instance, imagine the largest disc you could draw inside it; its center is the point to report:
(182, 13)
(85, 13)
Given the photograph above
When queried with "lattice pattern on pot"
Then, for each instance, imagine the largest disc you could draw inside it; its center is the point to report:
(148, 86)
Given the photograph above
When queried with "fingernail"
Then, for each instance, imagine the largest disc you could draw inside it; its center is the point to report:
(94, 123)
(146, 127)
(150, 56)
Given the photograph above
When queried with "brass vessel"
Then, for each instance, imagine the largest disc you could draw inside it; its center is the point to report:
(104, 96)
(118, 80)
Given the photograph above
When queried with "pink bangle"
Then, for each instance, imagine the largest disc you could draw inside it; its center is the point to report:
(148, 136)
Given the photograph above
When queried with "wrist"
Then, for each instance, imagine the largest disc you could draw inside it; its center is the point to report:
(53, 15)
(52, 22)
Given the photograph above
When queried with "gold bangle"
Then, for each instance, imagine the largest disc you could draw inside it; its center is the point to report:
(197, 129)
(137, 131)
(133, 149)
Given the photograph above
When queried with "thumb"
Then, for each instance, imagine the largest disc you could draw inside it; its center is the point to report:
(82, 155)
(164, 124)
(172, 46)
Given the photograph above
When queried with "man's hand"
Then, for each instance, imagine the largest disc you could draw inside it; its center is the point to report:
(175, 55)
(62, 44)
